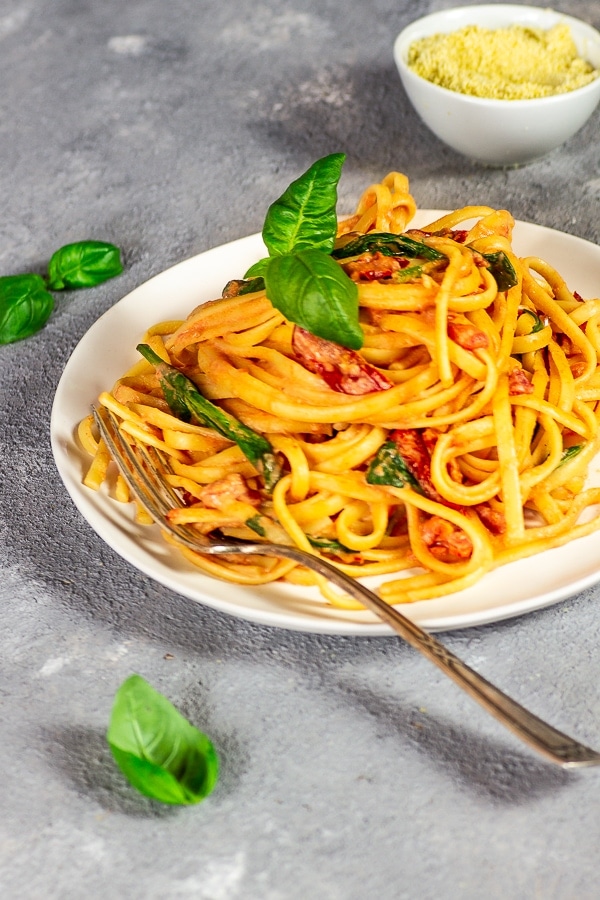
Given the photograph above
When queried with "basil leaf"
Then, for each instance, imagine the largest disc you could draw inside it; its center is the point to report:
(157, 749)
(25, 306)
(387, 245)
(258, 269)
(313, 291)
(388, 467)
(83, 264)
(305, 214)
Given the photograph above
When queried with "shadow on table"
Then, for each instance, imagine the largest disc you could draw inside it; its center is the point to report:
(483, 765)
(87, 764)
(360, 110)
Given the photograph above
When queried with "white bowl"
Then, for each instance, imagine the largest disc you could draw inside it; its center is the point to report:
(499, 132)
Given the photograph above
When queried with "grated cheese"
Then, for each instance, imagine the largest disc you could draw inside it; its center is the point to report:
(514, 63)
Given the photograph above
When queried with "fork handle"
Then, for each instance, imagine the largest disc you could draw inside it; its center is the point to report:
(547, 740)
(553, 744)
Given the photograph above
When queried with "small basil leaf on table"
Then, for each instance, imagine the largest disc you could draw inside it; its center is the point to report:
(160, 753)
(25, 306)
(83, 264)
(305, 214)
(313, 291)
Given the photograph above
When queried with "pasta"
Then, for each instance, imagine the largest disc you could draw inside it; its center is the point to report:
(456, 440)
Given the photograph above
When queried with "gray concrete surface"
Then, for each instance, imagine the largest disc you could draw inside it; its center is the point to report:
(351, 769)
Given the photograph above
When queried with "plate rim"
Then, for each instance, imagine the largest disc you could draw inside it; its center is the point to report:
(111, 531)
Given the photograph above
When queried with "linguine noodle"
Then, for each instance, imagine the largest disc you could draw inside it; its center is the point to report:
(485, 396)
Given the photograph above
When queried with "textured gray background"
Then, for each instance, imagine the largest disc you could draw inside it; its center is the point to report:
(350, 768)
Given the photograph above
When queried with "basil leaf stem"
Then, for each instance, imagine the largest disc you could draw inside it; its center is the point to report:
(25, 306)
(83, 264)
(185, 400)
(160, 753)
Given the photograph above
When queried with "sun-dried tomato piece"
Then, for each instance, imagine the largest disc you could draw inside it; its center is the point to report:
(445, 541)
(467, 335)
(344, 370)
(518, 382)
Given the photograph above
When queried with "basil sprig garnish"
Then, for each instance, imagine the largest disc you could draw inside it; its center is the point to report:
(304, 217)
(25, 301)
(160, 753)
(302, 280)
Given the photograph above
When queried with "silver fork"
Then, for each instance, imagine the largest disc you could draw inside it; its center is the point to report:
(143, 469)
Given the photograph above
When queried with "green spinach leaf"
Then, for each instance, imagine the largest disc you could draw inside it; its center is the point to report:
(255, 524)
(185, 400)
(387, 245)
(389, 467)
(157, 749)
(502, 269)
(83, 264)
(313, 291)
(329, 545)
(236, 287)
(25, 306)
(570, 453)
(538, 323)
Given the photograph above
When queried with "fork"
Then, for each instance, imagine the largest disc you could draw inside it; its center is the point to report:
(143, 468)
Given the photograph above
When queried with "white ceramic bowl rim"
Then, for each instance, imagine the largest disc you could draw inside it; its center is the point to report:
(405, 39)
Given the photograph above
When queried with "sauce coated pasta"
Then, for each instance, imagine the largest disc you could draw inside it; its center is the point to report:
(455, 440)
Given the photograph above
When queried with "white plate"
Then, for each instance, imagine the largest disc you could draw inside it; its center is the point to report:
(108, 349)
